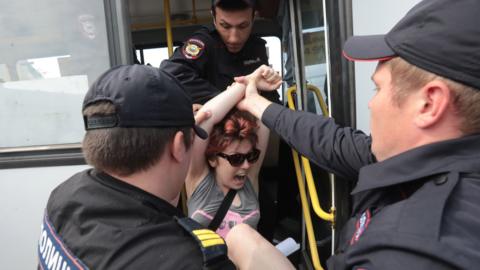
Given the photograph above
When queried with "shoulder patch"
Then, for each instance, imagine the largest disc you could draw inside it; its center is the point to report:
(361, 226)
(193, 48)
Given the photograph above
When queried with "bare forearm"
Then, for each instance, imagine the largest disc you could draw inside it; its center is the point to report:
(249, 250)
(256, 105)
(220, 105)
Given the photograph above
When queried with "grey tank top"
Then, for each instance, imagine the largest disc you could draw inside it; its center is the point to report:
(207, 197)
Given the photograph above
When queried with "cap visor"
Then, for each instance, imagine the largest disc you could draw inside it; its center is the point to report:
(200, 132)
(367, 48)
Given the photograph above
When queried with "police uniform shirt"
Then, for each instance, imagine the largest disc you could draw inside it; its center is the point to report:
(417, 210)
(109, 224)
(205, 66)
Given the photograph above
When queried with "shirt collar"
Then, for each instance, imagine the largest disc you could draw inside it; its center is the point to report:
(462, 154)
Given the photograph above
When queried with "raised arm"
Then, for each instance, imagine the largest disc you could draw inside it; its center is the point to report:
(218, 107)
(342, 151)
(263, 135)
(265, 78)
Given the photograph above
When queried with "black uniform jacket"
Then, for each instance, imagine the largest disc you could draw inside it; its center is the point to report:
(417, 210)
(205, 66)
(109, 224)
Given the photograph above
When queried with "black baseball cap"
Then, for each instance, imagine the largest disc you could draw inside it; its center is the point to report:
(440, 36)
(143, 96)
(250, 3)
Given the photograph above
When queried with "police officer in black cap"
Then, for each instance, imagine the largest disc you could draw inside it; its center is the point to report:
(416, 202)
(207, 62)
(121, 214)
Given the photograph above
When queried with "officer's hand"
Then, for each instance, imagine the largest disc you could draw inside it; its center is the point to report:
(253, 102)
(265, 77)
(252, 81)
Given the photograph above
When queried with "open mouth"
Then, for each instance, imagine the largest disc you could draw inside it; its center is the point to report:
(240, 178)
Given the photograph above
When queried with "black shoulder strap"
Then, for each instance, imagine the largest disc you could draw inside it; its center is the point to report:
(222, 210)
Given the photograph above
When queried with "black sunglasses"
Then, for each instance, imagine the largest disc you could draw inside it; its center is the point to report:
(237, 160)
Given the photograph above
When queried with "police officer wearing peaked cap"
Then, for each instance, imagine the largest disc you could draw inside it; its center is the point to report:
(121, 213)
(209, 60)
(416, 202)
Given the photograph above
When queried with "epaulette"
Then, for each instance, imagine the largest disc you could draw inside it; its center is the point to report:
(212, 245)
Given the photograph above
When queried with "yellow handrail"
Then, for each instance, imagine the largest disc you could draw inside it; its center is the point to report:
(312, 243)
(306, 163)
(168, 29)
(313, 193)
(321, 101)
(168, 26)
(194, 12)
(310, 183)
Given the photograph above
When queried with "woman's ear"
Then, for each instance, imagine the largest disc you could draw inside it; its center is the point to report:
(213, 162)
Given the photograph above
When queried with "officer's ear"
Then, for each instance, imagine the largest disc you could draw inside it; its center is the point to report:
(178, 149)
(432, 103)
(212, 12)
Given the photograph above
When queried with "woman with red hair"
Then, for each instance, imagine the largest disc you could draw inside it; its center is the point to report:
(230, 159)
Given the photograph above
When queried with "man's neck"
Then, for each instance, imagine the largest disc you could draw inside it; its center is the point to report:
(154, 181)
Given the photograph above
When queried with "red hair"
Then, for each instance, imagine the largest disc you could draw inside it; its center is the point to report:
(236, 125)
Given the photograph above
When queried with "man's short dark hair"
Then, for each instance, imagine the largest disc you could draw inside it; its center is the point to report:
(125, 151)
(233, 5)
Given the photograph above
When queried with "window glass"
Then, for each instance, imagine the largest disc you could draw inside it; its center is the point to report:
(313, 32)
(274, 51)
(50, 52)
(155, 56)
(314, 51)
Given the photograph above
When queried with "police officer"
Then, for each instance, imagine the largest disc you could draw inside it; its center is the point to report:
(416, 202)
(121, 214)
(209, 60)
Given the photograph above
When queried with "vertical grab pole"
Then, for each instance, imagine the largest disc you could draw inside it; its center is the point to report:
(168, 26)
(312, 243)
(194, 11)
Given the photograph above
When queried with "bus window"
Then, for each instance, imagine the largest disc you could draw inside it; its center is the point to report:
(50, 52)
(315, 64)
(274, 52)
(155, 56)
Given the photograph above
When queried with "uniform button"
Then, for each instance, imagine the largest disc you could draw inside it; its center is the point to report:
(440, 181)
